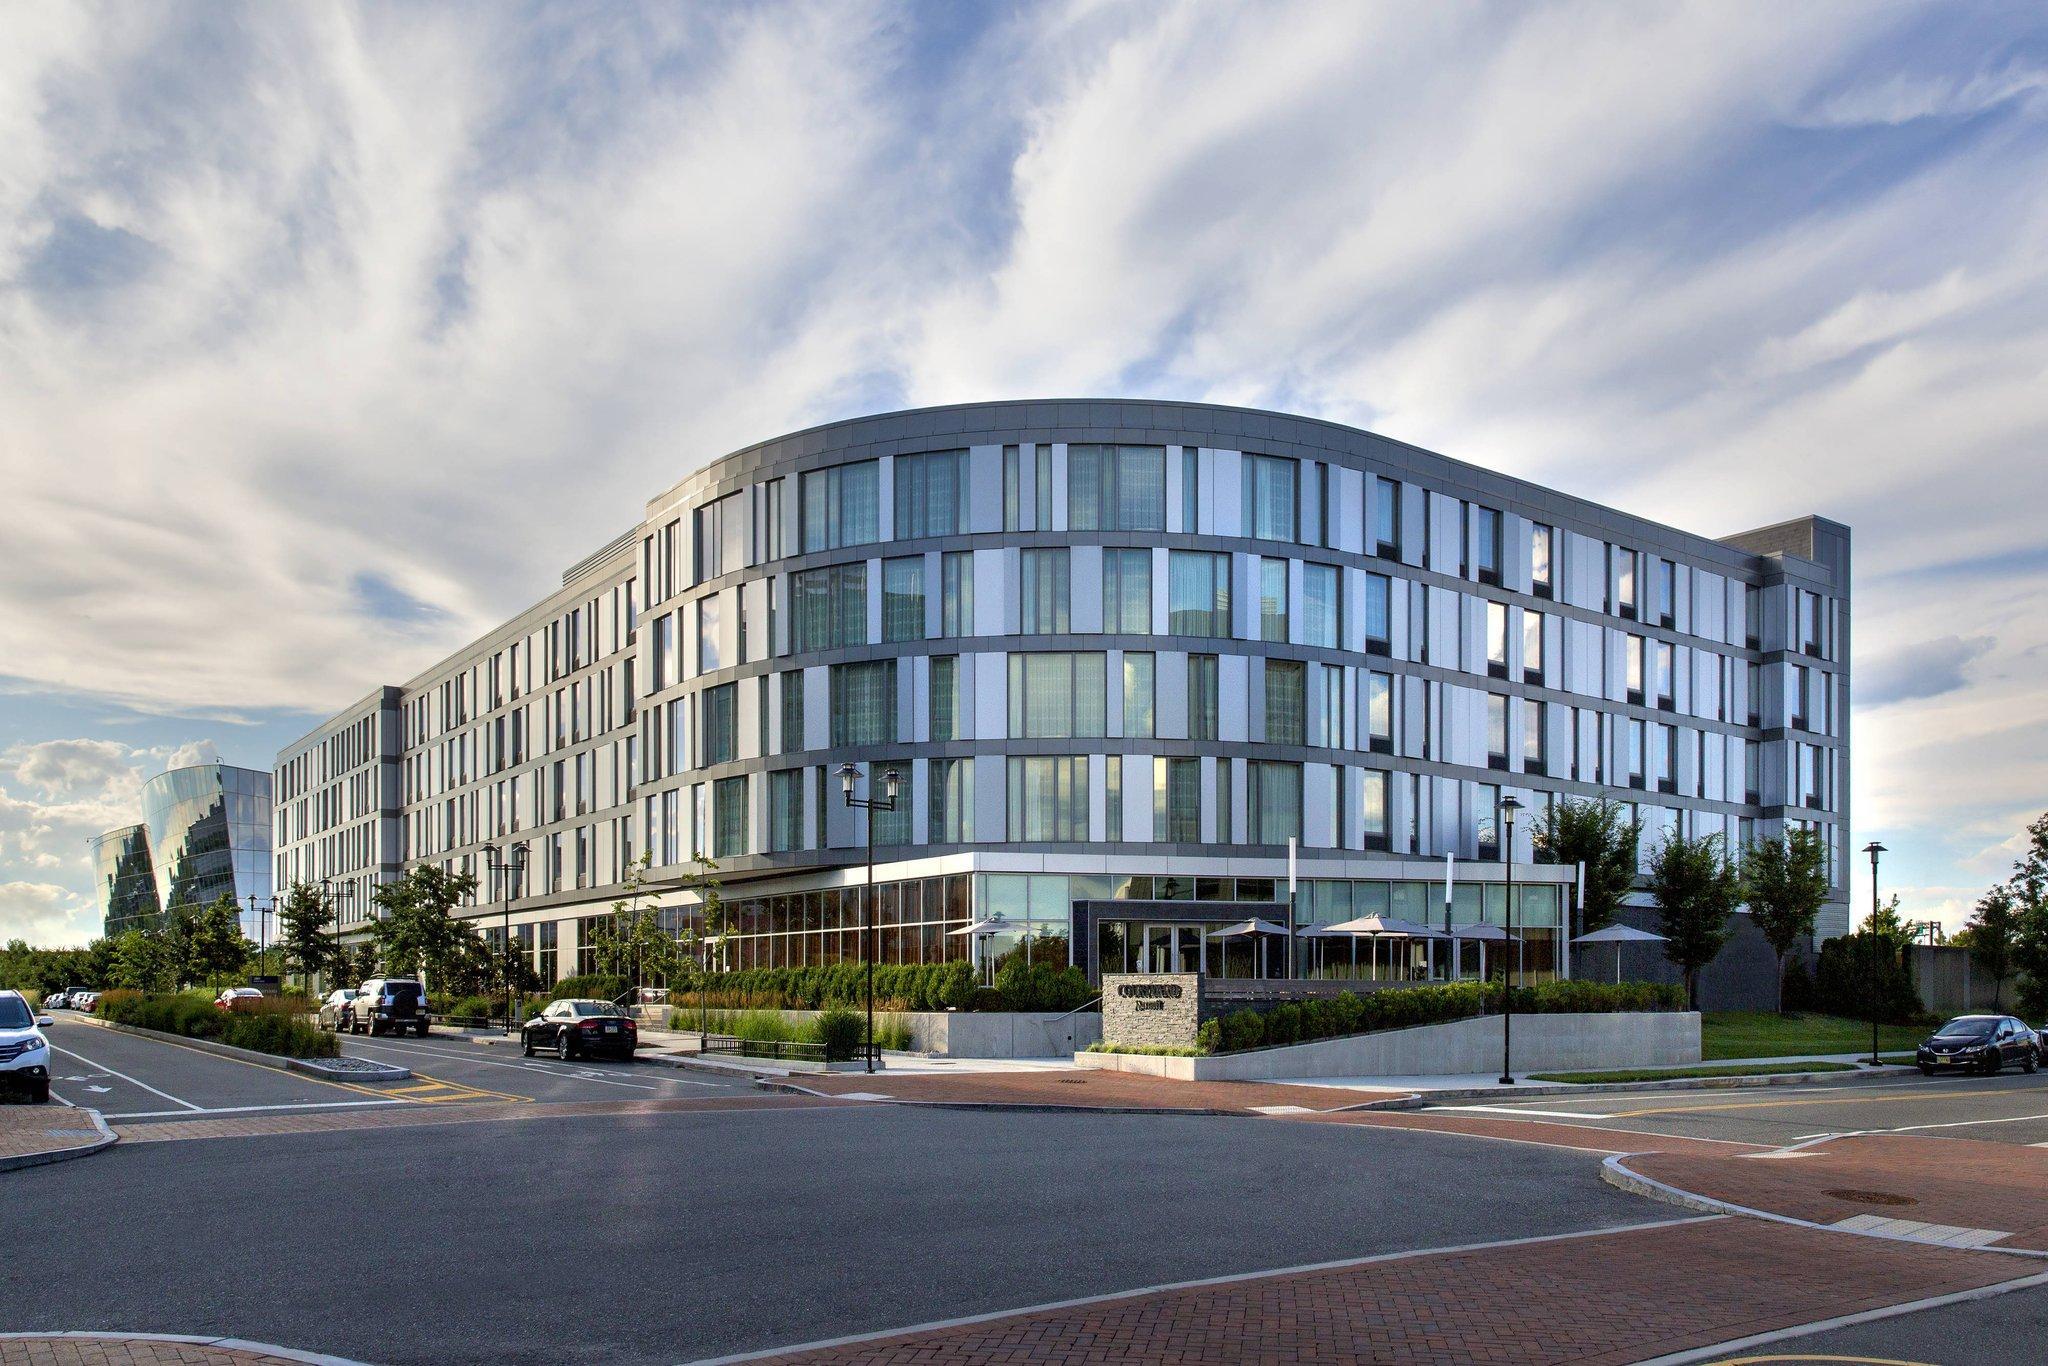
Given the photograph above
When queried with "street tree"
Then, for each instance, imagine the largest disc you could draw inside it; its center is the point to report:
(1696, 889)
(305, 931)
(632, 943)
(1992, 937)
(416, 929)
(218, 952)
(2028, 889)
(1785, 881)
(143, 961)
(1603, 836)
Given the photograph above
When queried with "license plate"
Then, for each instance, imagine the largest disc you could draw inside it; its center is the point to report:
(611, 1029)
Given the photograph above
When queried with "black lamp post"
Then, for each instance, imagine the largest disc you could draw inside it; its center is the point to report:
(848, 773)
(262, 915)
(331, 896)
(1873, 849)
(1508, 807)
(516, 867)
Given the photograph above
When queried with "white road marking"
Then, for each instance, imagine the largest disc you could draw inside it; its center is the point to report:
(125, 1077)
(1956, 1124)
(527, 1065)
(61, 1101)
(253, 1109)
(1518, 1111)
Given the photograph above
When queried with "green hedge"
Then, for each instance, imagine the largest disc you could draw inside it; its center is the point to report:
(898, 987)
(1401, 1007)
(595, 986)
(277, 1028)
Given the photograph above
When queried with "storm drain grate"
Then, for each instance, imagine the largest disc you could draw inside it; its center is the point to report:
(1872, 1197)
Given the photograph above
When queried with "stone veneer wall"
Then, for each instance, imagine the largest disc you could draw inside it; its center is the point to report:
(1151, 1009)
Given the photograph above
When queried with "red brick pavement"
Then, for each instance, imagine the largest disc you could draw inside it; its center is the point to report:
(113, 1350)
(1081, 1089)
(1957, 1181)
(407, 1116)
(38, 1133)
(1605, 1298)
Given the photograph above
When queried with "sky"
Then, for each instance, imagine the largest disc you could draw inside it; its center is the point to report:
(330, 334)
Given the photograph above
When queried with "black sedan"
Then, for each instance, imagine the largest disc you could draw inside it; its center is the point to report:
(1980, 1043)
(580, 1029)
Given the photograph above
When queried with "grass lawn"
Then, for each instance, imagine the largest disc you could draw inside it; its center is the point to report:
(1760, 1034)
(1753, 1069)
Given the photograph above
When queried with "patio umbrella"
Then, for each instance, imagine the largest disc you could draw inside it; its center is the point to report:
(1618, 935)
(1378, 927)
(1246, 929)
(982, 930)
(1483, 934)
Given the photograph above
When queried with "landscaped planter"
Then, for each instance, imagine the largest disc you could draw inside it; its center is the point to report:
(982, 1033)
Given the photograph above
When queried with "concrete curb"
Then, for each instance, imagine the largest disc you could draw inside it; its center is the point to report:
(1031, 1107)
(1615, 1172)
(106, 1139)
(190, 1340)
(308, 1066)
(1422, 1099)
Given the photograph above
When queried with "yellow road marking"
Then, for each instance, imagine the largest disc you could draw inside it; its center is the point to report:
(1776, 1104)
(223, 1057)
(435, 1091)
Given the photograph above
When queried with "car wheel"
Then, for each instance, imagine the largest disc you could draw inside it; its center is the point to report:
(40, 1093)
(1926, 1069)
(2031, 1063)
(525, 1047)
(423, 1029)
(563, 1050)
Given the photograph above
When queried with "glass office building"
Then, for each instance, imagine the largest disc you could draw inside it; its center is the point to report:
(127, 883)
(209, 836)
(1120, 655)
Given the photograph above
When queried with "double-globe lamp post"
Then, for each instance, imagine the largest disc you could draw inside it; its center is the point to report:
(515, 869)
(1876, 978)
(848, 775)
(1508, 807)
(331, 899)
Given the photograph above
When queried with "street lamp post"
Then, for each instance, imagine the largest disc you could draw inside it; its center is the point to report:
(329, 897)
(848, 774)
(516, 867)
(262, 915)
(1873, 849)
(1508, 807)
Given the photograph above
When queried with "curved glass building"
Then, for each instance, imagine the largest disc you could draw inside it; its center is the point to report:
(209, 835)
(1121, 655)
(127, 883)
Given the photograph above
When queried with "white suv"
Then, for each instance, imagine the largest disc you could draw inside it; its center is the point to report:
(24, 1052)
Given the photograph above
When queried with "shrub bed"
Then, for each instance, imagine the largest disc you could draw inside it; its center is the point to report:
(898, 986)
(594, 986)
(276, 1027)
(1332, 1017)
(771, 1026)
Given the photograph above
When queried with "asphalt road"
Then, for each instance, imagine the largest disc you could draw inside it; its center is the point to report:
(1998, 1331)
(2012, 1108)
(131, 1079)
(666, 1237)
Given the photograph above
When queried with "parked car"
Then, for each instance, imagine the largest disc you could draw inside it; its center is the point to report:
(393, 1003)
(88, 1001)
(337, 1009)
(1980, 1043)
(240, 999)
(74, 997)
(580, 1029)
(54, 1001)
(24, 1052)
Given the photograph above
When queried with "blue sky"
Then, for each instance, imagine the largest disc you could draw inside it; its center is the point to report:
(330, 334)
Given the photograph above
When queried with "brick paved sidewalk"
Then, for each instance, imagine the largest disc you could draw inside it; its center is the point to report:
(1079, 1089)
(1956, 1183)
(1603, 1298)
(113, 1349)
(410, 1116)
(33, 1134)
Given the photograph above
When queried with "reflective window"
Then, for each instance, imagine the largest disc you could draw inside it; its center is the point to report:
(903, 598)
(1379, 712)
(786, 810)
(1486, 543)
(1138, 694)
(1127, 592)
(1048, 798)
(1202, 701)
(931, 494)
(863, 700)
(1539, 558)
(1116, 488)
(945, 697)
(952, 801)
(1271, 497)
(720, 724)
(1273, 802)
(1379, 591)
(1198, 593)
(721, 536)
(1386, 516)
(1497, 639)
(729, 800)
(708, 614)
(956, 593)
(840, 506)
(1273, 600)
(1177, 800)
(829, 607)
(1532, 646)
(1043, 591)
(792, 712)
(1286, 701)
(1375, 809)
(1319, 605)
(1058, 695)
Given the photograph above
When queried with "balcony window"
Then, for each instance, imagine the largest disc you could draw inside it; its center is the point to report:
(1177, 800)
(956, 593)
(1139, 670)
(1496, 640)
(1379, 592)
(1532, 646)
(1486, 544)
(1496, 731)
(903, 598)
(1379, 712)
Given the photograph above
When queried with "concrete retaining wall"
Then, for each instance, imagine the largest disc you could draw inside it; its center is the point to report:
(1542, 1043)
(1950, 984)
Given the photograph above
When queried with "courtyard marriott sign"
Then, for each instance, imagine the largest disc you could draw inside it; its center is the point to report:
(1152, 1010)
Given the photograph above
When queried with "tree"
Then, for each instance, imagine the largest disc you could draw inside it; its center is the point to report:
(305, 931)
(416, 930)
(631, 941)
(1786, 882)
(1696, 890)
(1599, 834)
(2028, 889)
(711, 903)
(361, 963)
(144, 961)
(217, 953)
(1993, 939)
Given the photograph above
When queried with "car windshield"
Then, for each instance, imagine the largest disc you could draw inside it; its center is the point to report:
(1965, 1029)
(402, 991)
(14, 1013)
(598, 1008)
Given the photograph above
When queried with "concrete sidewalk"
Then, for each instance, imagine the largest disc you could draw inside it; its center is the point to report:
(31, 1135)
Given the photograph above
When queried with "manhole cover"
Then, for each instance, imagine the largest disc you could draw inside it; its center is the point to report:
(1872, 1197)
(1071, 1081)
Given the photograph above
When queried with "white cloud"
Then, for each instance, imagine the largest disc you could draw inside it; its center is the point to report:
(46, 914)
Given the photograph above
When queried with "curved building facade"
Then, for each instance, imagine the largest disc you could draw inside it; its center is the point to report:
(209, 835)
(1121, 655)
(127, 883)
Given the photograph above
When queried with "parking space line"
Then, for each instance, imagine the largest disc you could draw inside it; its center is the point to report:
(527, 1066)
(175, 1100)
(257, 1109)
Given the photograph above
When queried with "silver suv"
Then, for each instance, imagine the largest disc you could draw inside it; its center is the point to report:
(24, 1052)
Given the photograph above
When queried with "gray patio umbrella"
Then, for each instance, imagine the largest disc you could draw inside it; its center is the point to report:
(1483, 934)
(1249, 929)
(1378, 927)
(1618, 935)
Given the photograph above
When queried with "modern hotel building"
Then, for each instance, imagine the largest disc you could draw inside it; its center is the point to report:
(1120, 654)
